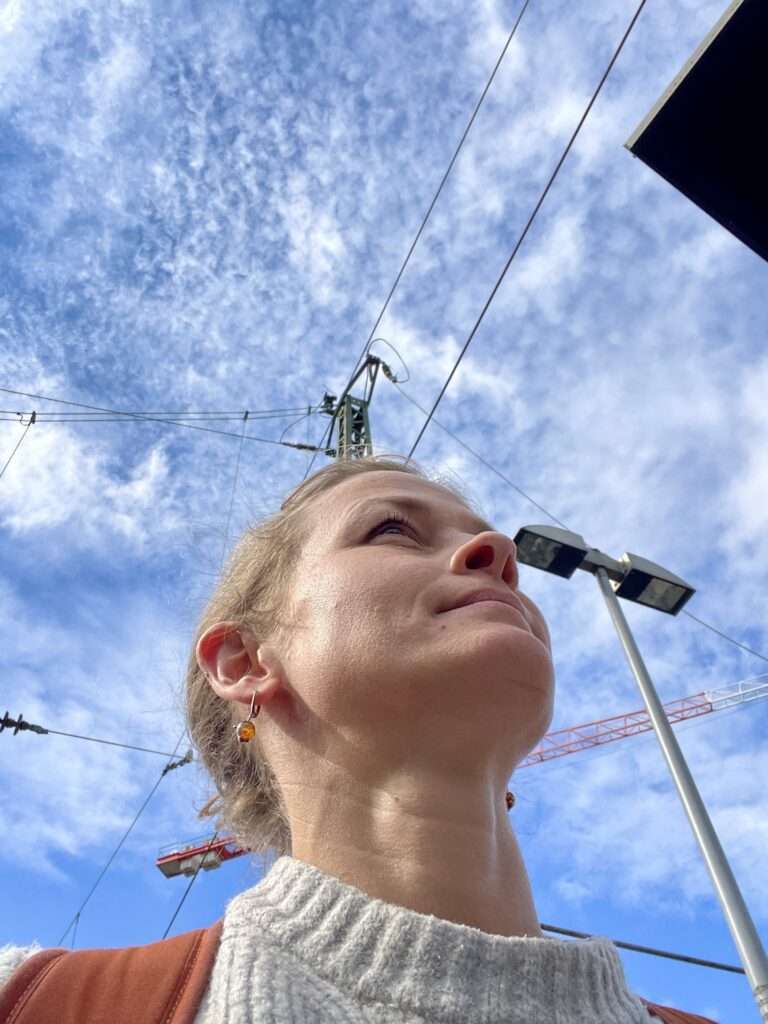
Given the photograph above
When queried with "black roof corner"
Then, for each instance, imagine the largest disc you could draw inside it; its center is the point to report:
(708, 133)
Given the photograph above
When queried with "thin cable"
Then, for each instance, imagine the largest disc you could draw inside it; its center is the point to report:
(223, 557)
(116, 850)
(559, 522)
(389, 343)
(18, 445)
(82, 416)
(725, 636)
(531, 219)
(125, 419)
(485, 462)
(648, 949)
(299, 420)
(327, 434)
(191, 883)
(153, 419)
(94, 410)
(234, 489)
(110, 743)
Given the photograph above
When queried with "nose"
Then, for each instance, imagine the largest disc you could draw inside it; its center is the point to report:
(491, 553)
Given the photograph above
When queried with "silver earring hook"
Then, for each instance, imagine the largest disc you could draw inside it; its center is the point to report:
(258, 709)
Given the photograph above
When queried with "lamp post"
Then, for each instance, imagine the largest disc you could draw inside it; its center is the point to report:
(636, 579)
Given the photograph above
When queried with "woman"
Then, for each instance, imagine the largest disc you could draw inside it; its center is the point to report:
(364, 682)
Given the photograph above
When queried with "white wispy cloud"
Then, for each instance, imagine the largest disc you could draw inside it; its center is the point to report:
(206, 210)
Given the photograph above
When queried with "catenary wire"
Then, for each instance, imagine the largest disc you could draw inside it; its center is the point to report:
(234, 489)
(485, 462)
(154, 419)
(559, 522)
(117, 849)
(236, 414)
(232, 414)
(725, 636)
(531, 218)
(648, 949)
(223, 557)
(18, 445)
(301, 419)
(132, 419)
(191, 883)
(327, 433)
(109, 743)
(405, 366)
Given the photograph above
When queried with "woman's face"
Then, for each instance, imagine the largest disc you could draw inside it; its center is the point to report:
(381, 655)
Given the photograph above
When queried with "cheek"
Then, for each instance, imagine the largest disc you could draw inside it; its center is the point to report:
(330, 610)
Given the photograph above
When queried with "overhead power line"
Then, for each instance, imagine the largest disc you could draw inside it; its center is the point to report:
(327, 434)
(102, 873)
(169, 767)
(559, 522)
(648, 949)
(180, 904)
(234, 489)
(531, 218)
(223, 557)
(236, 414)
(18, 445)
(156, 419)
(485, 462)
(725, 636)
(19, 725)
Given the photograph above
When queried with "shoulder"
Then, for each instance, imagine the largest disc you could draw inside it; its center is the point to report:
(12, 957)
(671, 1016)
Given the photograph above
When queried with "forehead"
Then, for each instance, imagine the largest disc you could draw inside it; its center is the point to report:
(403, 489)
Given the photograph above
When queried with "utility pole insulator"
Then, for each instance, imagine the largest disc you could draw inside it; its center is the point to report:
(187, 759)
(19, 725)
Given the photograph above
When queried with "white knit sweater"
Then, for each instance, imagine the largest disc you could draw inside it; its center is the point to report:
(302, 947)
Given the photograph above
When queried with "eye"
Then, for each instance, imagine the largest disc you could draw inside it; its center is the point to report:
(392, 520)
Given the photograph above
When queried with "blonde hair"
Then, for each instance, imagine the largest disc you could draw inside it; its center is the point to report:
(252, 593)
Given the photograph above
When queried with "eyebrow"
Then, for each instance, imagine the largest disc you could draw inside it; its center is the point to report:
(412, 505)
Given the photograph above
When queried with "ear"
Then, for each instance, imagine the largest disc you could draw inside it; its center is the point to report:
(236, 666)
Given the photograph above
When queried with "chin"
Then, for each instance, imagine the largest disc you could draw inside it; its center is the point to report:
(518, 654)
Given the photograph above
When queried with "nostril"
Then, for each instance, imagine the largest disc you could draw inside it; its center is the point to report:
(481, 558)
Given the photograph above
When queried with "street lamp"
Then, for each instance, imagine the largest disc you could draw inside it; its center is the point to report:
(636, 579)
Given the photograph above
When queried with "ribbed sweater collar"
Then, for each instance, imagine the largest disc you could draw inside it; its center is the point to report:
(380, 952)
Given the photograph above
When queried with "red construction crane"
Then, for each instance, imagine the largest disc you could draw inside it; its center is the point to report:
(183, 859)
(188, 857)
(606, 730)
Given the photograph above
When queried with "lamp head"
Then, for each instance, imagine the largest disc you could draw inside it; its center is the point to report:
(551, 549)
(648, 583)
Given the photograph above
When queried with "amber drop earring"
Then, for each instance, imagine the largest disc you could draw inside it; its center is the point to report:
(246, 730)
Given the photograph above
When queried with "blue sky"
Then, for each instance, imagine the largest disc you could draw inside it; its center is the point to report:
(203, 207)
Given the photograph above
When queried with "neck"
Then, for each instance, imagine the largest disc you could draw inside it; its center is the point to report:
(469, 872)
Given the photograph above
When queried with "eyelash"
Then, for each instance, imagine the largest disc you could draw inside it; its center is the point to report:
(394, 518)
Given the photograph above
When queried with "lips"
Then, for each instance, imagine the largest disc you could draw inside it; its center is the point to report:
(507, 597)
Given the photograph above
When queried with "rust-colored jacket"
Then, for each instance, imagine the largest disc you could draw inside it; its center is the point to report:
(160, 983)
